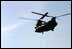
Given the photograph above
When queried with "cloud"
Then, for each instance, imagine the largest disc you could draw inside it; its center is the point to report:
(8, 28)
(13, 26)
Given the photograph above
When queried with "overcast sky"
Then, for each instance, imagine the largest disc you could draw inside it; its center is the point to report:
(18, 33)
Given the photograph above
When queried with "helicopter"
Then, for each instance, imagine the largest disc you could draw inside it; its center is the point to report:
(42, 26)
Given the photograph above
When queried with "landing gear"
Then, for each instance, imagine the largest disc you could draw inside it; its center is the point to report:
(52, 29)
(42, 32)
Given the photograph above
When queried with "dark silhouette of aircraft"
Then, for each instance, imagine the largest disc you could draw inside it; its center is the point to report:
(46, 26)
(43, 26)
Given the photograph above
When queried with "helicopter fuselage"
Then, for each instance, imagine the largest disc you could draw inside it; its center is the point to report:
(50, 25)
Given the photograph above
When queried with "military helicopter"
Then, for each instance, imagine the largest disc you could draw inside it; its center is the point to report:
(43, 26)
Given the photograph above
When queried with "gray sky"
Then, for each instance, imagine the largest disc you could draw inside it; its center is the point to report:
(17, 33)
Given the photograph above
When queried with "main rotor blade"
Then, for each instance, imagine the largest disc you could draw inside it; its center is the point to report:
(49, 16)
(28, 19)
(64, 15)
(37, 13)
